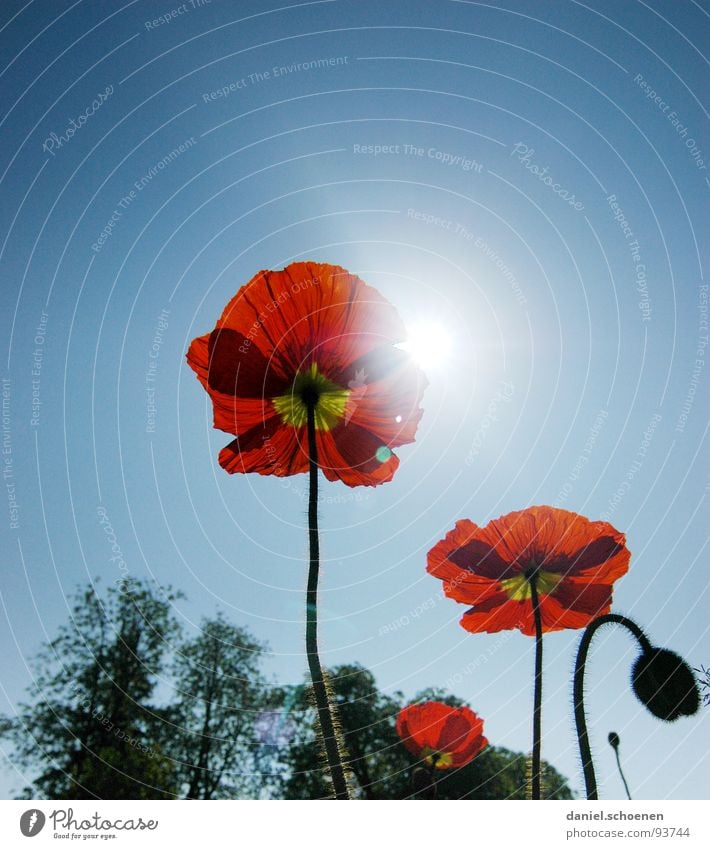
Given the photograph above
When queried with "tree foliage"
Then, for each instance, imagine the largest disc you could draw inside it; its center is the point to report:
(91, 730)
(221, 697)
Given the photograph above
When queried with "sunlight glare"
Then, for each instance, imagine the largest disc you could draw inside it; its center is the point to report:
(428, 343)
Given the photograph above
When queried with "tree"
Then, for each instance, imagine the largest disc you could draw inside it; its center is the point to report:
(379, 764)
(91, 730)
(221, 700)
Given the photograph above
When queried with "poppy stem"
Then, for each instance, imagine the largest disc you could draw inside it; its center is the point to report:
(423, 783)
(433, 777)
(320, 688)
(585, 751)
(537, 704)
(615, 746)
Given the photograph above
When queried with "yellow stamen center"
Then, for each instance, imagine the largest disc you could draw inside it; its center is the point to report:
(311, 387)
(518, 588)
(443, 759)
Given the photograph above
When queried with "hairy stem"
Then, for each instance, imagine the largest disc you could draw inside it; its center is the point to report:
(320, 688)
(537, 705)
(580, 720)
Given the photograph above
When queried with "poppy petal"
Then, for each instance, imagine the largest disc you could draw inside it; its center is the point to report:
(567, 607)
(355, 456)
(386, 404)
(482, 559)
(578, 598)
(498, 612)
(453, 734)
(198, 358)
(461, 583)
(238, 369)
(233, 415)
(312, 310)
(604, 562)
(268, 448)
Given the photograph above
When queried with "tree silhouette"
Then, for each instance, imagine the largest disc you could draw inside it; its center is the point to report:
(221, 697)
(91, 730)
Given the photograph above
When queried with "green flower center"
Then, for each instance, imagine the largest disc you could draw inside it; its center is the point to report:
(518, 588)
(311, 388)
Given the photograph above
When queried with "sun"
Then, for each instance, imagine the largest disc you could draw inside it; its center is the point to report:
(428, 343)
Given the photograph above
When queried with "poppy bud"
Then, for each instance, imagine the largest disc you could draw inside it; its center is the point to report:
(614, 740)
(665, 683)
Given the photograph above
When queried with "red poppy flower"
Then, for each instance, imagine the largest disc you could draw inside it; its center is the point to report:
(311, 331)
(574, 562)
(441, 735)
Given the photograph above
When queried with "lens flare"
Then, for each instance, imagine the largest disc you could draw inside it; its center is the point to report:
(428, 343)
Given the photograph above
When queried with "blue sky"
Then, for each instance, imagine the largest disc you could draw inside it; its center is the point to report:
(532, 178)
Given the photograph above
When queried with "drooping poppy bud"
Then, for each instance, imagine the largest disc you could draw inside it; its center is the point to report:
(614, 740)
(665, 684)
